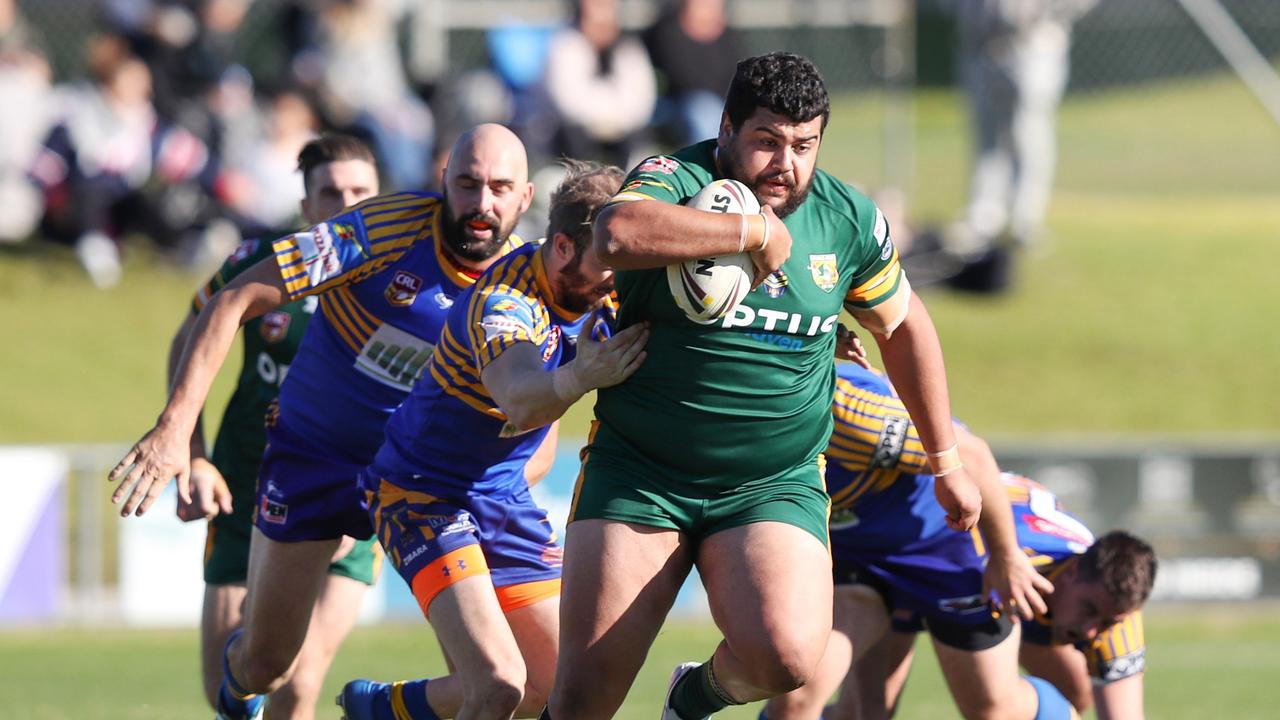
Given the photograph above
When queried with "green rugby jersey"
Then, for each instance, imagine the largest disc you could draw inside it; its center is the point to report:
(270, 342)
(749, 396)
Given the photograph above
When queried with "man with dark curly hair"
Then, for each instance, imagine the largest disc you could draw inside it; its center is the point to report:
(710, 454)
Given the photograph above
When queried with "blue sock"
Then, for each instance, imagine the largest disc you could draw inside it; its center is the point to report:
(1053, 704)
(413, 695)
(232, 698)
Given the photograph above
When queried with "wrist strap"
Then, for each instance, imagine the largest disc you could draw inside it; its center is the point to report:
(764, 241)
(945, 461)
(742, 233)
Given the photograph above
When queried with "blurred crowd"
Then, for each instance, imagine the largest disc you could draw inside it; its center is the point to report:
(167, 135)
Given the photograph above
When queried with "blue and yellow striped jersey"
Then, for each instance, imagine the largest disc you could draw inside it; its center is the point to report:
(886, 519)
(450, 435)
(385, 284)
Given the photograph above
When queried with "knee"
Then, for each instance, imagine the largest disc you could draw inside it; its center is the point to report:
(574, 697)
(781, 668)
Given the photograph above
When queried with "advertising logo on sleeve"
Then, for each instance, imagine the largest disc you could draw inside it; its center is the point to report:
(498, 325)
(824, 270)
(403, 289)
(325, 252)
(660, 164)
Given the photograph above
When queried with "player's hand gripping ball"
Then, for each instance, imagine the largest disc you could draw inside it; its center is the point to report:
(707, 289)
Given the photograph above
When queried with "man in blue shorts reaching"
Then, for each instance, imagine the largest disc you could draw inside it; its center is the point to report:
(898, 570)
(386, 273)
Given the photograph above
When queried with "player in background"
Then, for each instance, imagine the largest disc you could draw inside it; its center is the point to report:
(898, 567)
(385, 273)
(710, 454)
(446, 492)
(338, 171)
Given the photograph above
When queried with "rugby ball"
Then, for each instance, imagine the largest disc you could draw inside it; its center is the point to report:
(707, 289)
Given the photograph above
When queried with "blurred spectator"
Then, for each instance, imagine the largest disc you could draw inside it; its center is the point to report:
(24, 90)
(1013, 60)
(355, 64)
(600, 83)
(188, 45)
(695, 53)
(24, 84)
(110, 165)
(262, 185)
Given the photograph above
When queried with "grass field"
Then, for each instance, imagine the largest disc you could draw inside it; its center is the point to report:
(1217, 662)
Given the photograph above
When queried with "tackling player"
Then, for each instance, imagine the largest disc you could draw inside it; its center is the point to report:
(898, 567)
(338, 171)
(385, 274)
(447, 494)
(710, 453)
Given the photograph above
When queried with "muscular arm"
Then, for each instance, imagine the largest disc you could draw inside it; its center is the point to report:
(532, 397)
(1120, 700)
(912, 356)
(164, 452)
(650, 233)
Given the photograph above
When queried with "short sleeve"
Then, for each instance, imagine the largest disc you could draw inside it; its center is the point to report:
(879, 293)
(502, 319)
(657, 178)
(322, 255)
(1118, 652)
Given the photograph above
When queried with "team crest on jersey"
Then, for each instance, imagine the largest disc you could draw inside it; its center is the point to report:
(775, 286)
(275, 326)
(660, 164)
(346, 233)
(825, 271)
(403, 289)
(553, 342)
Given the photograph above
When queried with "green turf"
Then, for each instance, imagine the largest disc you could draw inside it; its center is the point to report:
(1214, 662)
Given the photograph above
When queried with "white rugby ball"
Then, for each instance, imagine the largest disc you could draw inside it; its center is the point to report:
(707, 289)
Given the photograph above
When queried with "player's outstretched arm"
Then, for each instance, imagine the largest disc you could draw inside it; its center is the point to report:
(645, 234)
(1017, 585)
(531, 397)
(912, 356)
(209, 492)
(164, 452)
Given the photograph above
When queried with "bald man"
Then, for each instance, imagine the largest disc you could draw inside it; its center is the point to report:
(385, 274)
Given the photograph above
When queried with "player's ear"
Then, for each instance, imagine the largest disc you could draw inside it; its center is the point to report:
(726, 130)
(563, 246)
(527, 200)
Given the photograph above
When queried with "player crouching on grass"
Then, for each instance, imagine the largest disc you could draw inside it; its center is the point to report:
(447, 491)
(897, 567)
